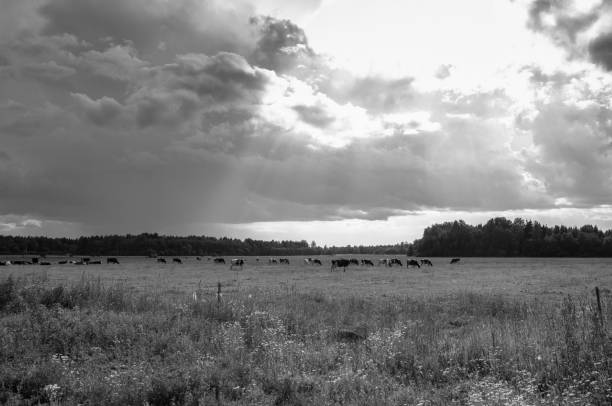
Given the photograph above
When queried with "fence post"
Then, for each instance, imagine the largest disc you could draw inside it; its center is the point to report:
(218, 292)
(601, 320)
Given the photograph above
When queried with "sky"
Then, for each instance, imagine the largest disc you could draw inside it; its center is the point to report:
(339, 121)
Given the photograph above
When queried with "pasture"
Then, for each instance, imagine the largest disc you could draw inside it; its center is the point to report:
(481, 332)
(522, 278)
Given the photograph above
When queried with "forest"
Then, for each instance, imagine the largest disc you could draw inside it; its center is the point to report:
(498, 237)
(153, 244)
(501, 237)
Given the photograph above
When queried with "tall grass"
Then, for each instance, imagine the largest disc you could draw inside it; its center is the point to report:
(92, 343)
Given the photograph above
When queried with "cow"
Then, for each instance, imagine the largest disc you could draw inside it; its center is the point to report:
(85, 260)
(395, 261)
(46, 263)
(426, 262)
(198, 259)
(34, 260)
(237, 262)
(455, 260)
(161, 260)
(354, 261)
(367, 262)
(176, 261)
(317, 262)
(5, 263)
(340, 263)
(412, 262)
(94, 263)
(284, 261)
(219, 261)
(272, 261)
(64, 262)
(307, 261)
(383, 262)
(112, 260)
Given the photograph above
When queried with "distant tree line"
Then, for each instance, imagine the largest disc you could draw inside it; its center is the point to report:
(501, 237)
(153, 244)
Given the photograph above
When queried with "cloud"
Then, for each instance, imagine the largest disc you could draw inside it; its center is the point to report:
(183, 26)
(282, 45)
(159, 115)
(573, 152)
(600, 50)
(100, 111)
(48, 71)
(582, 28)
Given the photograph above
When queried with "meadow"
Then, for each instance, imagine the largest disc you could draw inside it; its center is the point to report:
(484, 332)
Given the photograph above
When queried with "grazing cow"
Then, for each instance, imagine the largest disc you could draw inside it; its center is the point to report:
(45, 263)
(367, 262)
(94, 263)
(177, 261)
(161, 260)
(307, 261)
(5, 263)
(426, 262)
(317, 262)
(112, 260)
(284, 261)
(340, 263)
(237, 262)
(412, 262)
(34, 260)
(85, 260)
(198, 258)
(395, 261)
(219, 261)
(354, 261)
(64, 262)
(455, 260)
(383, 262)
(272, 261)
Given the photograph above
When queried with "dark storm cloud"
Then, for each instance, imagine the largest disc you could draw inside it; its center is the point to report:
(171, 113)
(569, 25)
(154, 27)
(600, 50)
(194, 82)
(574, 157)
(566, 26)
(282, 45)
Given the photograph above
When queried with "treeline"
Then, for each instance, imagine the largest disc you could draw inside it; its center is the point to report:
(148, 244)
(501, 237)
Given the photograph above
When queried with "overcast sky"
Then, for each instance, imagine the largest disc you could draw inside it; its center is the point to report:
(340, 121)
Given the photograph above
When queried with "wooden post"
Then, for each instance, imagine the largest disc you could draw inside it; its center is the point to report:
(601, 320)
(218, 292)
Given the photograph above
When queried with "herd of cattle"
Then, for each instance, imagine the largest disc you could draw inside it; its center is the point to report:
(239, 262)
(38, 261)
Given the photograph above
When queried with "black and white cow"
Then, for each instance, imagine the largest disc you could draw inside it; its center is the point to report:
(340, 263)
(237, 262)
(412, 262)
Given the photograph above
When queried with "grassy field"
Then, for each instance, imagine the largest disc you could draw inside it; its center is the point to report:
(483, 333)
(523, 278)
